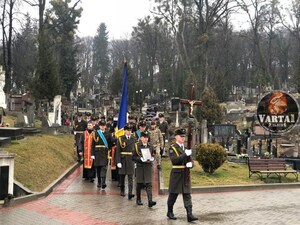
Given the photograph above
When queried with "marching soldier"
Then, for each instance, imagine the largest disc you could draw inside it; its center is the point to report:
(142, 126)
(144, 168)
(125, 147)
(164, 128)
(79, 127)
(180, 181)
(157, 141)
(101, 144)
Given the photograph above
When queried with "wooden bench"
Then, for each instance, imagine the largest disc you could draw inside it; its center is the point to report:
(269, 166)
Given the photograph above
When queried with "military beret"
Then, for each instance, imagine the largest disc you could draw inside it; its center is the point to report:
(145, 134)
(161, 115)
(181, 132)
(128, 126)
(102, 123)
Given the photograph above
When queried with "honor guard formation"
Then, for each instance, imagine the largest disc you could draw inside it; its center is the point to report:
(132, 154)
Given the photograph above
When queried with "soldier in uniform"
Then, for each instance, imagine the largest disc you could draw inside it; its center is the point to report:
(132, 122)
(180, 181)
(143, 169)
(88, 116)
(101, 144)
(79, 127)
(164, 128)
(85, 148)
(95, 121)
(157, 141)
(142, 126)
(124, 150)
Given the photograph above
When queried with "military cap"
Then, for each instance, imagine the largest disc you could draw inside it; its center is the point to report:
(128, 126)
(88, 114)
(145, 134)
(102, 123)
(180, 131)
(130, 117)
(102, 117)
(142, 124)
(161, 115)
(94, 118)
(79, 114)
(110, 118)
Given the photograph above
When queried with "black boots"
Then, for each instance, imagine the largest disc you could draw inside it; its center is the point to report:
(122, 191)
(149, 195)
(138, 195)
(170, 213)
(103, 184)
(130, 195)
(190, 217)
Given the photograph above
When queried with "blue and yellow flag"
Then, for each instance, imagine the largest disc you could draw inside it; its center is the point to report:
(122, 118)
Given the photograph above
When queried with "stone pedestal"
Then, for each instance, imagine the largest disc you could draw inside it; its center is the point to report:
(6, 174)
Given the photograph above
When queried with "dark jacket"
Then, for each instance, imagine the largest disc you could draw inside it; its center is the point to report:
(100, 151)
(143, 169)
(180, 181)
(124, 152)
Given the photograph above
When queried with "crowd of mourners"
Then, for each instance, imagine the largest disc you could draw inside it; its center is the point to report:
(132, 154)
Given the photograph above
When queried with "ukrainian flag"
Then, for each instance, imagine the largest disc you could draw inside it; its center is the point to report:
(122, 118)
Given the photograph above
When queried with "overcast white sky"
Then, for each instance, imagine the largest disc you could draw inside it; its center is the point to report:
(118, 15)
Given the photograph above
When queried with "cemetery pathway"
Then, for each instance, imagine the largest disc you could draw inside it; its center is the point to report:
(76, 201)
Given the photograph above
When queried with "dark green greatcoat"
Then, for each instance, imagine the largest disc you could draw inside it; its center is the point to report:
(180, 181)
(127, 146)
(143, 169)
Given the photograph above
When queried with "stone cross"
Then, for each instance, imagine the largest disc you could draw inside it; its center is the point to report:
(191, 102)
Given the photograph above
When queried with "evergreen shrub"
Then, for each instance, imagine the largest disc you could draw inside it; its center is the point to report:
(210, 156)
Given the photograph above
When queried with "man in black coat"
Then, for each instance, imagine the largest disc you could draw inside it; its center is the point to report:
(180, 181)
(79, 127)
(124, 150)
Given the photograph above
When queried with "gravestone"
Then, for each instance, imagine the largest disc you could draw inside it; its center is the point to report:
(6, 174)
(2, 94)
(54, 117)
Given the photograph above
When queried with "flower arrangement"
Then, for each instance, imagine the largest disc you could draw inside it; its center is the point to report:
(242, 156)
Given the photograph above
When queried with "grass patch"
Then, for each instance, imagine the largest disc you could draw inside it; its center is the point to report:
(228, 174)
(41, 159)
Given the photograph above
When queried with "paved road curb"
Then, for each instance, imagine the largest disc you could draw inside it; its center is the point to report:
(46, 191)
(161, 189)
(229, 188)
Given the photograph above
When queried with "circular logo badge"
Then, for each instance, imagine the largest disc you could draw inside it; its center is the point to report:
(277, 112)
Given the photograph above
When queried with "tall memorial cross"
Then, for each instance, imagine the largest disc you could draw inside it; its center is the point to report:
(190, 102)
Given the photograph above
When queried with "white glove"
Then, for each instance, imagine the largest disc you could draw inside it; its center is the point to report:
(142, 159)
(166, 141)
(92, 157)
(188, 152)
(189, 165)
(119, 165)
(74, 132)
(152, 159)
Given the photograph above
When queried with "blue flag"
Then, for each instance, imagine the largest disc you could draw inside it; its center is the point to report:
(122, 119)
